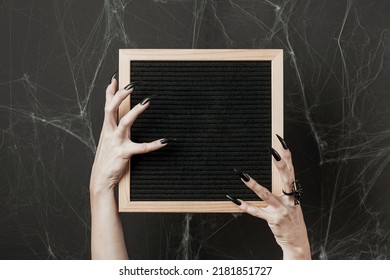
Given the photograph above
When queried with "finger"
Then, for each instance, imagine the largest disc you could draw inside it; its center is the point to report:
(143, 148)
(111, 89)
(285, 153)
(262, 192)
(127, 120)
(284, 170)
(285, 174)
(110, 118)
(287, 157)
(116, 100)
(253, 210)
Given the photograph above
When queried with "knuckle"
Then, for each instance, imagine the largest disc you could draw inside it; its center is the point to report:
(119, 92)
(244, 207)
(126, 120)
(252, 184)
(144, 148)
(121, 125)
(117, 135)
(106, 141)
(286, 180)
(283, 213)
(292, 173)
(253, 211)
(265, 195)
(280, 217)
(277, 221)
(283, 165)
(108, 108)
(123, 151)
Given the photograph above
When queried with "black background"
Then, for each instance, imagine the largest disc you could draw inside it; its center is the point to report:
(56, 60)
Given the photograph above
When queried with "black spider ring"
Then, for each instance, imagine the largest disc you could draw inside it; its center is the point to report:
(297, 192)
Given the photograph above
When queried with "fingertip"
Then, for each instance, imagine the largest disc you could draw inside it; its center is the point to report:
(282, 142)
(114, 86)
(113, 76)
(234, 200)
(131, 85)
(276, 156)
(250, 181)
(129, 91)
(166, 141)
(110, 91)
(244, 176)
(146, 101)
(143, 104)
(243, 205)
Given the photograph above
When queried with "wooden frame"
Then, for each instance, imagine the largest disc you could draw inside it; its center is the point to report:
(273, 55)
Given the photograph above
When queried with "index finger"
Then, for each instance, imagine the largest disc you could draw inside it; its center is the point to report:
(258, 189)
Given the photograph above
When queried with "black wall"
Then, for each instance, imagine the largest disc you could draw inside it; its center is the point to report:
(56, 58)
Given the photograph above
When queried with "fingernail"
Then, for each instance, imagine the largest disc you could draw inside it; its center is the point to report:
(242, 175)
(275, 154)
(167, 140)
(113, 76)
(234, 200)
(131, 85)
(146, 100)
(284, 144)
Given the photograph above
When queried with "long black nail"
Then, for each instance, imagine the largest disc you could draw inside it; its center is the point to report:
(284, 144)
(234, 200)
(167, 140)
(275, 154)
(242, 175)
(146, 100)
(131, 85)
(113, 76)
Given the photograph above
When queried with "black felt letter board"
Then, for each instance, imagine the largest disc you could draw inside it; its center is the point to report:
(217, 116)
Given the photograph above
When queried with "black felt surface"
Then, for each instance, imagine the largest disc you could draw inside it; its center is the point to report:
(220, 114)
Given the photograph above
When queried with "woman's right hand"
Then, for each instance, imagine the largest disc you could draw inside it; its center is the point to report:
(283, 213)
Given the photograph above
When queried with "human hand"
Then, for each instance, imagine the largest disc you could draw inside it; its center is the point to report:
(115, 148)
(283, 215)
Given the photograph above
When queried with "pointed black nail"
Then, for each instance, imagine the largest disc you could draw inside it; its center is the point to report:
(275, 154)
(146, 100)
(242, 175)
(234, 200)
(284, 144)
(167, 140)
(131, 85)
(113, 76)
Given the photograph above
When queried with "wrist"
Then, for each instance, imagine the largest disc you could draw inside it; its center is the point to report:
(297, 253)
(101, 189)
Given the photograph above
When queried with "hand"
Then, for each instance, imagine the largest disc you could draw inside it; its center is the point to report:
(283, 216)
(112, 156)
(115, 148)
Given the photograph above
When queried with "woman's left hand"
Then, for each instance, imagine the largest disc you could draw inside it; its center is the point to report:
(115, 148)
